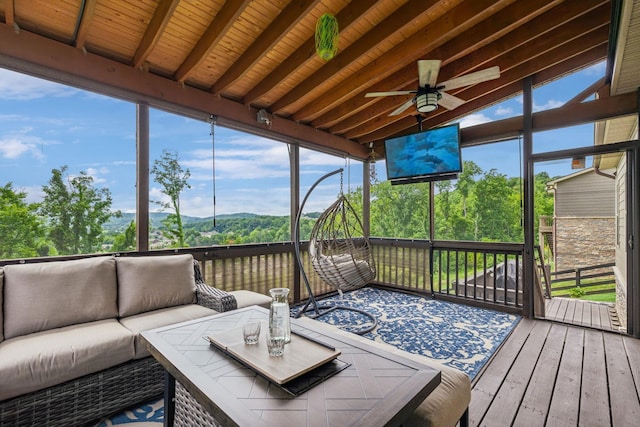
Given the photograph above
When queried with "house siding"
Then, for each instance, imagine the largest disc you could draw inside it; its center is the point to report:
(586, 195)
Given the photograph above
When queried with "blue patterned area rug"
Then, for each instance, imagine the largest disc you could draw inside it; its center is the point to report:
(455, 335)
(150, 414)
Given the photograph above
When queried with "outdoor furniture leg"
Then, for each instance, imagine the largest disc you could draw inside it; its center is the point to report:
(169, 399)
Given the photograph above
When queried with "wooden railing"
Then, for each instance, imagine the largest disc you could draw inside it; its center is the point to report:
(545, 224)
(485, 273)
(400, 263)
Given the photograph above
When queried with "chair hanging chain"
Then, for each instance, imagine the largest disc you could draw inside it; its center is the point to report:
(212, 121)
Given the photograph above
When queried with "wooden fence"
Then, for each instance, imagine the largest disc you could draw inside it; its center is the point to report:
(584, 278)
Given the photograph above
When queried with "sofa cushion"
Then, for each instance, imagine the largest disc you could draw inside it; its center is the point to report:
(246, 298)
(49, 295)
(152, 282)
(43, 359)
(158, 318)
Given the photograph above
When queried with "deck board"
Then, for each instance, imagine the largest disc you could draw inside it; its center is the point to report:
(489, 382)
(533, 410)
(552, 374)
(581, 312)
(509, 397)
(563, 410)
(625, 408)
(594, 399)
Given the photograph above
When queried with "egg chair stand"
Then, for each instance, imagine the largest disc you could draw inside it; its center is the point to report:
(340, 254)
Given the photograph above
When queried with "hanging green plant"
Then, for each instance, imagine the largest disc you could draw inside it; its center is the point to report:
(327, 36)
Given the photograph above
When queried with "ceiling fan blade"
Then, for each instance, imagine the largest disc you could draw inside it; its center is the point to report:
(401, 108)
(391, 93)
(450, 102)
(472, 78)
(428, 72)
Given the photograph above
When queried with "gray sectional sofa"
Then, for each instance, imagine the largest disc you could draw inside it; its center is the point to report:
(70, 349)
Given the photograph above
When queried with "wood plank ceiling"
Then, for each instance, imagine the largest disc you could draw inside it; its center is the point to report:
(232, 58)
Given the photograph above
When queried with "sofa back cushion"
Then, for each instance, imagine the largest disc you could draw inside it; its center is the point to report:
(151, 282)
(49, 295)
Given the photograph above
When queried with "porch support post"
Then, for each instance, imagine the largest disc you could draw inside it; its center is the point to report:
(633, 254)
(294, 164)
(633, 224)
(528, 190)
(142, 177)
(366, 197)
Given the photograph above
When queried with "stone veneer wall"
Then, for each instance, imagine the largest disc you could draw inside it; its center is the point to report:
(582, 242)
(621, 303)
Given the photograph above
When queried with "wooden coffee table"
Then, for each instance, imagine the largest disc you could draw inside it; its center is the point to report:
(211, 388)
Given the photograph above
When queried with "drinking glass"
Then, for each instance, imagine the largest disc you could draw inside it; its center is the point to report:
(251, 332)
(275, 341)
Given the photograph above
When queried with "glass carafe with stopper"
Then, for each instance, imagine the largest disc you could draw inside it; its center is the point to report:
(279, 313)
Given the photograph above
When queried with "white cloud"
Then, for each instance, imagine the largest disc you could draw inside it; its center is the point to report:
(16, 86)
(96, 174)
(504, 111)
(549, 105)
(474, 119)
(16, 145)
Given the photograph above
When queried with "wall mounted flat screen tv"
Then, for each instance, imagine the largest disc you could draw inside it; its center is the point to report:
(430, 155)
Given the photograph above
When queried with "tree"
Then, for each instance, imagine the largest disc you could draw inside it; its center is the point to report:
(466, 182)
(75, 212)
(174, 179)
(21, 230)
(400, 211)
(127, 240)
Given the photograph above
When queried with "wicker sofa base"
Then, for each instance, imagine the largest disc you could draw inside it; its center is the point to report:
(86, 399)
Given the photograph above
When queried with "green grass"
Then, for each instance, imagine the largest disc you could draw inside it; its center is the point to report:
(610, 297)
(607, 297)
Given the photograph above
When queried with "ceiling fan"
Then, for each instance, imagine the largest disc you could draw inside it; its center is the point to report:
(431, 94)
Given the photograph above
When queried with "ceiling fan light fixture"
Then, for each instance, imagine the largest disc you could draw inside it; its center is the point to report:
(427, 102)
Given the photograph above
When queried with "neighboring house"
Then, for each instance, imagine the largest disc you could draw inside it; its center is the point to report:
(584, 219)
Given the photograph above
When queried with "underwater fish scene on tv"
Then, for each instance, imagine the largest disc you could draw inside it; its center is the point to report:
(429, 155)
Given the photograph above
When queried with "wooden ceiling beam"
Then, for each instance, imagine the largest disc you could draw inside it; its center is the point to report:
(455, 21)
(344, 117)
(161, 17)
(346, 17)
(550, 46)
(570, 115)
(85, 22)
(590, 91)
(9, 12)
(279, 27)
(216, 30)
(42, 57)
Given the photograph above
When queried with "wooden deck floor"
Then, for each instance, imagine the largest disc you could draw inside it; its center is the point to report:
(583, 313)
(551, 374)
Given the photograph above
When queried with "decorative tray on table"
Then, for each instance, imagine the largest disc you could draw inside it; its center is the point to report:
(305, 361)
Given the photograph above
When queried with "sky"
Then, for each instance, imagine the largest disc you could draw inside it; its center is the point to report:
(45, 125)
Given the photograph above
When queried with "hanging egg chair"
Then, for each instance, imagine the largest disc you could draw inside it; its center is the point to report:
(339, 251)
(340, 254)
